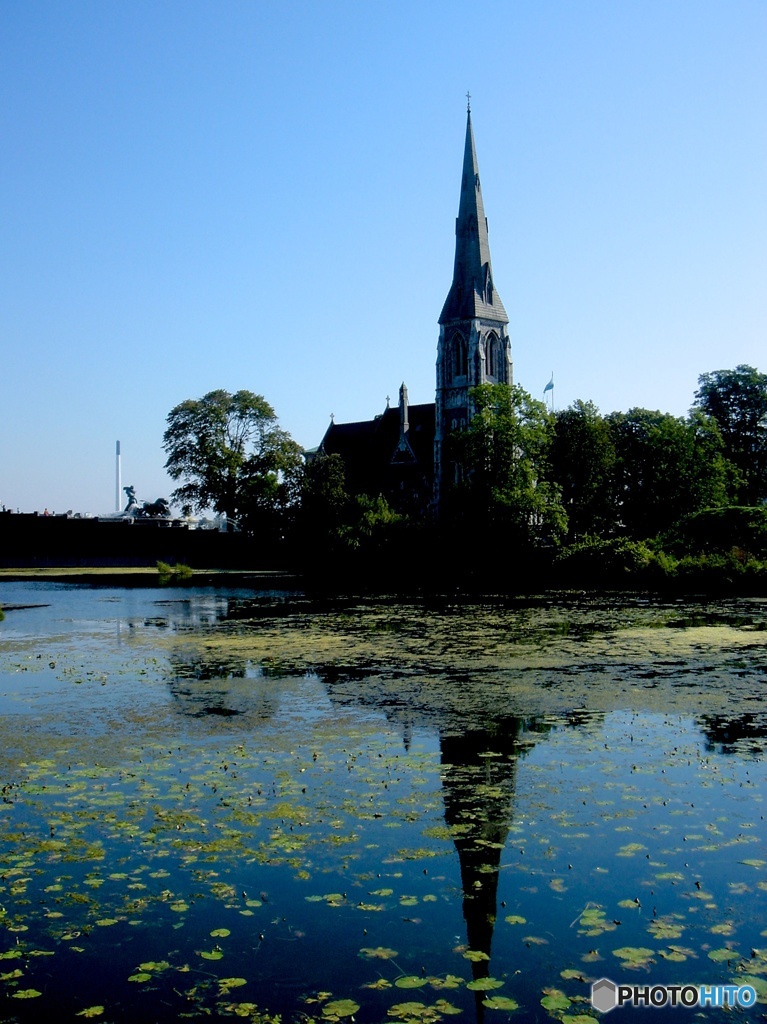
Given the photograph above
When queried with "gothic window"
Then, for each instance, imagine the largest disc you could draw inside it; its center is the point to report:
(459, 355)
(491, 356)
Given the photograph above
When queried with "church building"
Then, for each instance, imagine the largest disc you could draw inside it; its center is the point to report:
(400, 453)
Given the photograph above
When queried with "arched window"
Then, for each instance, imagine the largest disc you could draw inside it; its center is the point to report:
(459, 355)
(492, 356)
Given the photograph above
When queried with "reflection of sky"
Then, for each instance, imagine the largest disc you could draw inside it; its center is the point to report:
(100, 608)
(630, 812)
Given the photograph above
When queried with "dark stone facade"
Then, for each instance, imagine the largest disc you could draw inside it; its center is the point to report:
(392, 454)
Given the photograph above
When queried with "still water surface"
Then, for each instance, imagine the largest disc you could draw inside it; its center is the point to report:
(222, 805)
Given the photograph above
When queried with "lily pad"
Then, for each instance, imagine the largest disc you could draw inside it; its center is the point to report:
(722, 955)
(484, 984)
(634, 956)
(340, 1008)
(500, 1003)
(443, 1006)
(407, 1010)
(555, 999)
(225, 985)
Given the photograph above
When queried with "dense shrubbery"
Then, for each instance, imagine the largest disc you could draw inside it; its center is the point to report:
(721, 530)
(174, 573)
(616, 561)
(622, 562)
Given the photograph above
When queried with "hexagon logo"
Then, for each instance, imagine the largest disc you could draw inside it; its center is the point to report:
(603, 995)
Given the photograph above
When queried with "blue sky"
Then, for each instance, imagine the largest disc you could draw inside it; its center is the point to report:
(262, 195)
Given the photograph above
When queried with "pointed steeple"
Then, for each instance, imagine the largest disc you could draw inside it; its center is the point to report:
(472, 293)
(474, 346)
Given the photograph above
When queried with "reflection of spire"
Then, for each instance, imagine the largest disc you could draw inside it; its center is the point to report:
(479, 772)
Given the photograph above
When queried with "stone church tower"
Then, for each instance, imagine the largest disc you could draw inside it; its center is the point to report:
(474, 345)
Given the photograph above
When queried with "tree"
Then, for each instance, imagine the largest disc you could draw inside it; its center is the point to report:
(503, 491)
(234, 457)
(737, 399)
(324, 508)
(582, 462)
(666, 467)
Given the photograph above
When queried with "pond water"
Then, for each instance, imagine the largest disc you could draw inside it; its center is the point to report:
(230, 805)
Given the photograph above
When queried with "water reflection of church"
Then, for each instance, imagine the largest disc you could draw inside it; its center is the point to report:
(400, 452)
(479, 755)
(479, 752)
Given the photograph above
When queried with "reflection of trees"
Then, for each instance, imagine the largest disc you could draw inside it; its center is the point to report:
(214, 686)
(723, 734)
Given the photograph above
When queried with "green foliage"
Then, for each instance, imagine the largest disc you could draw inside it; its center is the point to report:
(325, 503)
(503, 489)
(371, 519)
(174, 573)
(721, 530)
(234, 458)
(613, 562)
(666, 467)
(582, 462)
(341, 535)
(737, 400)
(729, 571)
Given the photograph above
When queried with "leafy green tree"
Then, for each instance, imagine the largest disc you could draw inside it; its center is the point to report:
(504, 492)
(233, 457)
(324, 507)
(737, 400)
(666, 467)
(370, 525)
(582, 463)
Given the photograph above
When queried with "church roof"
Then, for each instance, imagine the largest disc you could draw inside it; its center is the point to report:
(472, 294)
(369, 448)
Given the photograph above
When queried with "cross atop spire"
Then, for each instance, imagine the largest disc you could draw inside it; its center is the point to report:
(468, 102)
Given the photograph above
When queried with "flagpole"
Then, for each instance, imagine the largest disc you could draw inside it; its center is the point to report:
(550, 387)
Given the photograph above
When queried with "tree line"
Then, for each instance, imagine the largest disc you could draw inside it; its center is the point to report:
(583, 497)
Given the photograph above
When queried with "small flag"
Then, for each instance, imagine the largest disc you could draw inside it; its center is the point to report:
(550, 385)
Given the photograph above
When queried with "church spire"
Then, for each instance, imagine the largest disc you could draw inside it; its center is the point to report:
(472, 293)
(474, 346)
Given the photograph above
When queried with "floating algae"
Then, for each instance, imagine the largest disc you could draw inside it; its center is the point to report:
(495, 804)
